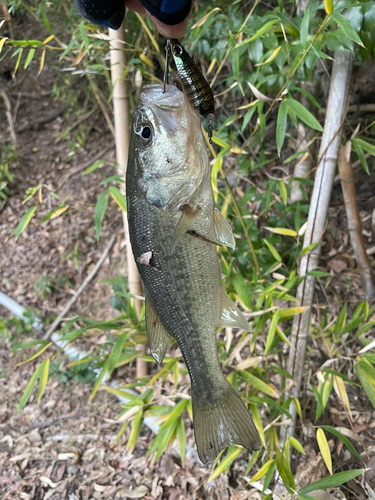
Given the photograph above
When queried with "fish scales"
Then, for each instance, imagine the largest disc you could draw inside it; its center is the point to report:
(171, 217)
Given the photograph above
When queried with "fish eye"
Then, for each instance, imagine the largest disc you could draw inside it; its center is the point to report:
(177, 50)
(144, 133)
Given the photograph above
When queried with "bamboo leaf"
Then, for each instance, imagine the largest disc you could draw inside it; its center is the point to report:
(273, 250)
(343, 439)
(36, 354)
(30, 386)
(262, 471)
(100, 209)
(272, 331)
(283, 193)
(118, 197)
(297, 445)
(137, 424)
(29, 57)
(340, 390)
(324, 449)
(2, 41)
(24, 222)
(283, 231)
(271, 57)
(259, 384)
(341, 320)
(181, 437)
(290, 312)
(347, 28)
(42, 59)
(304, 114)
(225, 463)
(331, 481)
(84, 35)
(56, 212)
(366, 375)
(361, 155)
(93, 167)
(43, 378)
(328, 6)
(262, 31)
(281, 126)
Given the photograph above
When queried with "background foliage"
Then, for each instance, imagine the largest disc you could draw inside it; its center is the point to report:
(241, 47)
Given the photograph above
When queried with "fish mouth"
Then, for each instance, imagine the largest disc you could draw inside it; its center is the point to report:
(154, 96)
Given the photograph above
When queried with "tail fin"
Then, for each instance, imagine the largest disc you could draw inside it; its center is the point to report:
(222, 423)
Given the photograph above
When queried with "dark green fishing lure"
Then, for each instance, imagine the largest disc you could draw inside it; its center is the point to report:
(195, 85)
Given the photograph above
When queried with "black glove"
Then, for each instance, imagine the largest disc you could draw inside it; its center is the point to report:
(111, 13)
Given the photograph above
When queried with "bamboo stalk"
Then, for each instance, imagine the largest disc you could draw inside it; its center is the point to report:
(122, 126)
(336, 111)
(354, 221)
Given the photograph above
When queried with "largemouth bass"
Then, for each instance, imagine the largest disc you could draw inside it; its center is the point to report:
(174, 229)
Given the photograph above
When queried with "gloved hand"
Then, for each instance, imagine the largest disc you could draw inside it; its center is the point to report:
(168, 15)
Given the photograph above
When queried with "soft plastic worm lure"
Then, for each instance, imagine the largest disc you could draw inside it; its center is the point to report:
(195, 85)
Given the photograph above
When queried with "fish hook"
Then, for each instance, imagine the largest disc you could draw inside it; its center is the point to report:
(167, 50)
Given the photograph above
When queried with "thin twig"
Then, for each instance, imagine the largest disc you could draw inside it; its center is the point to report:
(89, 278)
(8, 112)
(354, 221)
(40, 121)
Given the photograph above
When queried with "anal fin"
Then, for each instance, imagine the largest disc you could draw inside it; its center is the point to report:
(231, 316)
(185, 223)
(158, 337)
(223, 231)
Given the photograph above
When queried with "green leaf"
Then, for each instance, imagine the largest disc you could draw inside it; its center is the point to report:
(100, 209)
(285, 472)
(303, 114)
(30, 386)
(297, 445)
(56, 212)
(36, 354)
(283, 193)
(361, 155)
(273, 250)
(262, 471)
(341, 320)
(24, 222)
(259, 384)
(343, 439)
(84, 35)
(308, 249)
(118, 197)
(305, 27)
(94, 166)
(366, 375)
(272, 331)
(331, 481)
(29, 57)
(347, 28)
(281, 126)
(45, 19)
(137, 424)
(283, 231)
(264, 29)
(181, 438)
(225, 463)
(324, 449)
(370, 148)
(43, 378)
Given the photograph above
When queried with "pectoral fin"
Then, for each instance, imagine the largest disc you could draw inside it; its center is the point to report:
(158, 337)
(185, 223)
(231, 316)
(223, 231)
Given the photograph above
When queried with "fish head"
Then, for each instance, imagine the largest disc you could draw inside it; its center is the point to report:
(169, 147)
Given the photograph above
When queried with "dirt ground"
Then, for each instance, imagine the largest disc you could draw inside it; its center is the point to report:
(63, 448)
